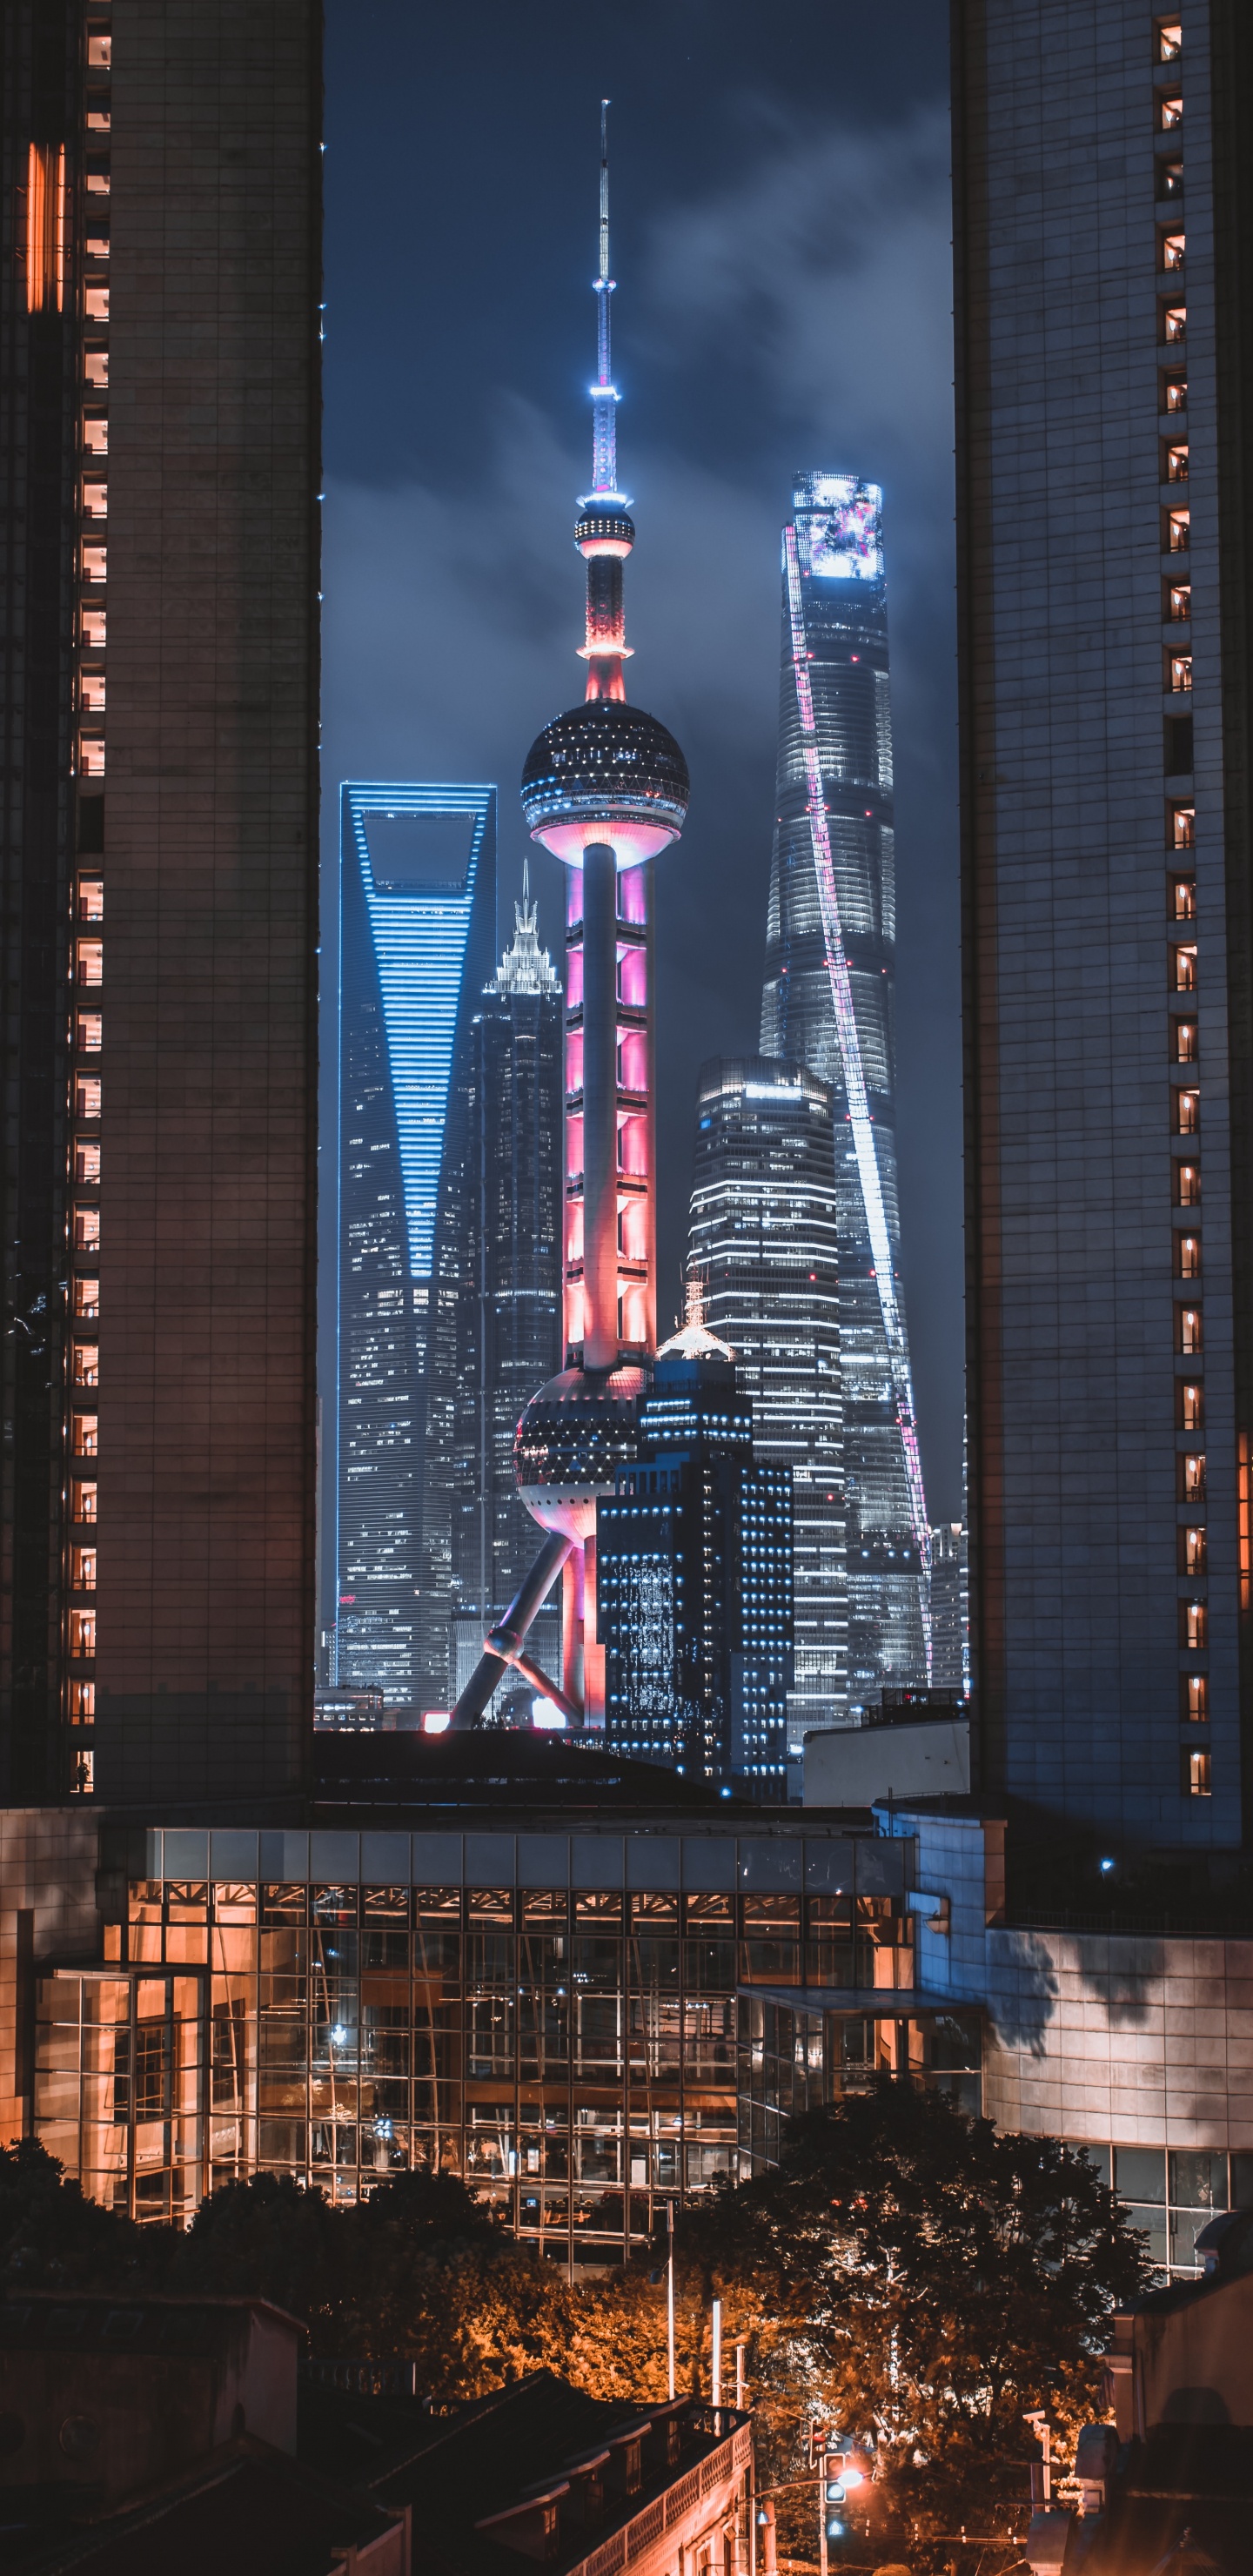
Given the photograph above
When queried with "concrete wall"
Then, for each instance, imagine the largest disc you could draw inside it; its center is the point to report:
(851, 1766)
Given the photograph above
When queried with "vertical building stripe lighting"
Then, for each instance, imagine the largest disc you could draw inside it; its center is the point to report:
(855, 1080)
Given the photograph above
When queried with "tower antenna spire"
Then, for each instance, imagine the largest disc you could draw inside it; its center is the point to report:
(604, 395)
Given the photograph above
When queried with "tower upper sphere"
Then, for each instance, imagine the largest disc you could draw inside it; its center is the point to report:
(605, 771)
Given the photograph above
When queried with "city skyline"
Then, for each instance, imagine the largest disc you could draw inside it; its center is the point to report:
(732, 380)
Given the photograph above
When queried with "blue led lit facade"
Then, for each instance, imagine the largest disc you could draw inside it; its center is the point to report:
(694, 1581)
(417, 936)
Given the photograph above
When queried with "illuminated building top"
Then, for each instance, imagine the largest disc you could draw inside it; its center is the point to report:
(526, 967)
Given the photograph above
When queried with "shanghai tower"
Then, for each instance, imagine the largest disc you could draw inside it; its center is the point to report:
(828, 1002)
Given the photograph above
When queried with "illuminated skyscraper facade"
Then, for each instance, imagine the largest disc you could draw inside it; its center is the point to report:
(763, 1240)
(828, 1002)
(418, 879)
(510, 1319)
(694, 1577)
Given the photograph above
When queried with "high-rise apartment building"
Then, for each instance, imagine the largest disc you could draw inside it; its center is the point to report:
(509, 1319)
(763, 1240)
(159, 447)
(418, 926)
(1104, 343)
(694, 1577)
(828, 1003)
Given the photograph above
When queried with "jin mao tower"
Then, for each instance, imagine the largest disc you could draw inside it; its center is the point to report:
(828, 1000)
(605, 788)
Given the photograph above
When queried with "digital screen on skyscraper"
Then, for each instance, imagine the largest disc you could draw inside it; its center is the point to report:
(839, 527)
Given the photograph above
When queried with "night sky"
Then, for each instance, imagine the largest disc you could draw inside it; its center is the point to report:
(781, 241)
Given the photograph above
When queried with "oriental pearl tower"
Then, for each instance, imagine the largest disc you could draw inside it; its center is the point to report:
(605, 787)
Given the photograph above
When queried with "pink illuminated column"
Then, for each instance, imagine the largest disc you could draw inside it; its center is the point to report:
(611, 1211)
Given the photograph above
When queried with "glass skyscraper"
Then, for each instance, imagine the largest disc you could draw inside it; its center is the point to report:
(418, 894)
(763, 1240)
(509, 1321)
(828, 1001)
(694, 1576)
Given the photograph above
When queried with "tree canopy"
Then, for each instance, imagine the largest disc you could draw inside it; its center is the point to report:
(917, 2279)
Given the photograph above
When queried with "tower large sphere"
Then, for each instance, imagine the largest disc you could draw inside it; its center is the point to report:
(605, 771)
(570, 1443)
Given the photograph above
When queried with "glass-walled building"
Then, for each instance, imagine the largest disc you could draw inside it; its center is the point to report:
(694, 1578)
(418, 895)
(553, 2014)
(833, 898)
(763, 1240)
(509, 1322)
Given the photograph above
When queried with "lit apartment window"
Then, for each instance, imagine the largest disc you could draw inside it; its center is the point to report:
(1179, 531)
(82, 1703)
(1189, 1256)
(45, 228)
(1174, 249)
(91, 898)
(95, 563)
(1176, 393)
(91, 755)
(1181, 601)
(1190, 1331)
(83, 1569)
(1170, 179)
(86, 1433)
(1187, 1184)
(95, 629)
(91, 961)
(89, 1033)
(87, 1095)
(1193, 1551)
(84, 1774)
(87, 1164)
(1192, 1475)
(86, 1364)
(1197, 1774)
(1186, 1042)
(1175, 323)
(1169, 41)
(82, 1632)
(1191, 1407)
(95, 500)
(96, 433)
(1183, 898)
(1194, 1622)
(1195, 1698)
(91, 690)
(86, 1229)
(83, 1501)
(87, 1297)
(1187, 1113)
(1183, 970)
(1177, 462)
(1181, 670)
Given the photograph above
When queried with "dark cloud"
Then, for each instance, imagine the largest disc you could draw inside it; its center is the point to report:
(793, 310)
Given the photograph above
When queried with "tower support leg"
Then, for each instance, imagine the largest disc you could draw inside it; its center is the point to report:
(502, 1646)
